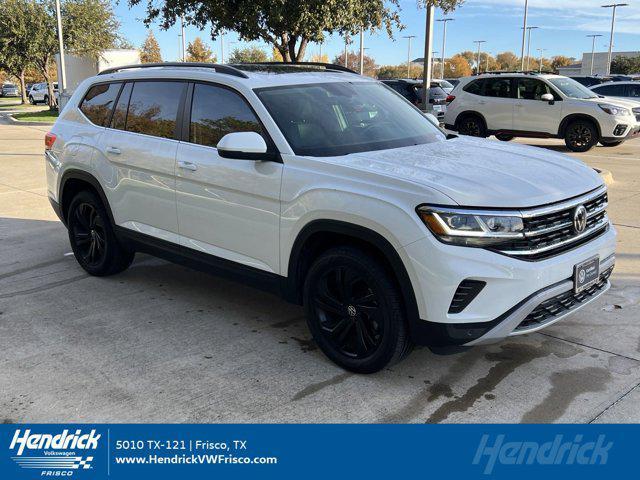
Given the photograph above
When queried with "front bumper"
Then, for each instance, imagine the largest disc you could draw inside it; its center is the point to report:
(628, 134)
(514, 288)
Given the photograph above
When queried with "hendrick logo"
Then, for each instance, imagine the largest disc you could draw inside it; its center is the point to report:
(53, 454)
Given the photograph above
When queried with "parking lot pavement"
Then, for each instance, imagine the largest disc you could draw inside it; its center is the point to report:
(166, 344)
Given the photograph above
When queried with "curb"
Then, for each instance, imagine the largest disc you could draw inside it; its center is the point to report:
(26, 124)
(606, 175)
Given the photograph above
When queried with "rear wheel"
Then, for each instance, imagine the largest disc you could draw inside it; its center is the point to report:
(92, 239)
(503, 137)
(354, 311)
(472, 125)
(581, 136)
(31, 100)
(611, 144)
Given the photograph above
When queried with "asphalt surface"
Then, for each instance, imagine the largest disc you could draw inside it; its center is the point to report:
(161, 343)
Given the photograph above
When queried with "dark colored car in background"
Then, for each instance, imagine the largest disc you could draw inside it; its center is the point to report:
(412, 91)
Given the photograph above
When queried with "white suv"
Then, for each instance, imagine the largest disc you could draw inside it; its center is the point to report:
(335, 192)
(510, 105)
(39, 93)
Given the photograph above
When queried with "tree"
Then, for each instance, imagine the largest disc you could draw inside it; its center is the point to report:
(353, 62)
(561, 61)
(324, 58)
(89, 27)
(197, 51)
(15, 40)
(150, 50)
(508, 61)
(399, 71)
(456, 67)
(625, 65)
(248, 55)
(287, 25)
(470, 57)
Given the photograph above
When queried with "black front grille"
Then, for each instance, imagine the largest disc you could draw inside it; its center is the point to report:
(549, 234)
(466, 292)
(563, 303)
(636, 112)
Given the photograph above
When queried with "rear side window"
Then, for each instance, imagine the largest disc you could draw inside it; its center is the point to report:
(98, 102)
(614, 90)
(531, 88)
(634, 91)
(498, 87)
(474, 87)
(153, 108)
(216, 111)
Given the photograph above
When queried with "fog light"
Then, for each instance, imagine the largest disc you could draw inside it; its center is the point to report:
(619, 130)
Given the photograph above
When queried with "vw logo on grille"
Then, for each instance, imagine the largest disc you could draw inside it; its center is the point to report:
(580, 219)
(351, 310)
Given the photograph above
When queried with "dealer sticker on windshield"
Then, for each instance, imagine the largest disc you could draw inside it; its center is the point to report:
(586, 274)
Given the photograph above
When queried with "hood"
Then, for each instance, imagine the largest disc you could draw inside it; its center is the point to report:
(482, 173)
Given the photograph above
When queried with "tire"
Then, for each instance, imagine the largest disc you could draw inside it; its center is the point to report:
(31, 100)
(354, 311)
(92, 239)
(472, 125)
(611, 144)
(581, 136)
(46, 99)
(503, 137)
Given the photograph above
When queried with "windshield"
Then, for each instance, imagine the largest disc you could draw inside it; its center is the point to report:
(445, 84)
(326, 119)
(571, 88)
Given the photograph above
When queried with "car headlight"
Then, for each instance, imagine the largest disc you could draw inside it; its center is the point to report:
(471, 228)
(613, 110)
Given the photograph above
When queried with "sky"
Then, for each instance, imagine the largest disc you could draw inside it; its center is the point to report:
(563, 24)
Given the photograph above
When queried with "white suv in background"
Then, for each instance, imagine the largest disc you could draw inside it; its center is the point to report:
(334, 192)
(39, 93)
(510, 105)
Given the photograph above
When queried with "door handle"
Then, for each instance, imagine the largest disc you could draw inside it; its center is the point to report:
(187, 166)
(113, 150)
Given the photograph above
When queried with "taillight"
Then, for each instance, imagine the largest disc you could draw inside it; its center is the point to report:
(450, 98)
(49, 140)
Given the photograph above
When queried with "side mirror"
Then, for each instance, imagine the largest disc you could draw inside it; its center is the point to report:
(548, 97)
(244, 146)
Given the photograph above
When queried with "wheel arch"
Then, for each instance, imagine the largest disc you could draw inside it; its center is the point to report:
(74, 181)
(319, 236)
(461, 115)
(577, 116)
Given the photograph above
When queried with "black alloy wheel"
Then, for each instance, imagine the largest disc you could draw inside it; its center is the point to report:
(581, 136)
(89, 234)
(472, 126)
(354, 311)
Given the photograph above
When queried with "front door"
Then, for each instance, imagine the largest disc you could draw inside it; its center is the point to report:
(532, 114)
(227, 207)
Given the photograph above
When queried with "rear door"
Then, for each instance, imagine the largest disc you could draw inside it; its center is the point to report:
(227, 207)
(142, 143)
(532, 114)
(497, 103)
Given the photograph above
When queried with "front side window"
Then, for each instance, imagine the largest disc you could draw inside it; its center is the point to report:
(98, 102)
(341, 118)
(634, 91)
(611, 90)
(153, 108)
(498, 87)
(531, 89)
(571, 88)
(217, 111)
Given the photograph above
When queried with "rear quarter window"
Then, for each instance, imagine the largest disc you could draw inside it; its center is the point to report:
(98, 103)
(474, 87)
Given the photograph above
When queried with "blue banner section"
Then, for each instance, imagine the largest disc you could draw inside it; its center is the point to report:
(87, 451)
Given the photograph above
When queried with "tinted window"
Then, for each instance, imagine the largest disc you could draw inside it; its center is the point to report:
(634, 91)
(153, 108)
(474, 87)
(98, 102)
(614, 90)
(345, 117)
(216, 111)
(498, 87)
(120, 112)
(531, 89)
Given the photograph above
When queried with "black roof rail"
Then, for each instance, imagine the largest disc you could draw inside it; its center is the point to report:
(226, 69)
(525, 72)
(327, 66)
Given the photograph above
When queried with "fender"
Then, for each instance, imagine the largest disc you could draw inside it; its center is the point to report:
(73, 174)
(293, 288)
(576, 116)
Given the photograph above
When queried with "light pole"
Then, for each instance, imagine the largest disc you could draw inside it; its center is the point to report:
(222, 46)
(593, 51)
(183, 44)
(524, 34)
(529, 44)
(428, 42)
(613, 22)
(433, 60)
(479, 42)
(63, 73)
(444, 41)
(347, 41)
(361, 51)
(541, 50)
(409, 37)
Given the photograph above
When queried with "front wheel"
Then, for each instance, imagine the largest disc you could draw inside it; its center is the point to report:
(611, 144)
(354, 311)
(581, 136)
(31, 100)
(92, 239)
